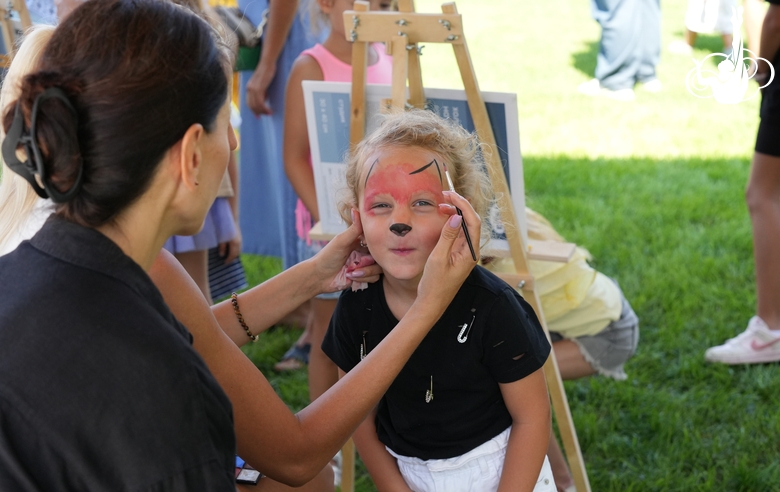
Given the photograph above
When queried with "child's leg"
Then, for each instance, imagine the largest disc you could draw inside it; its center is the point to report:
(297, 356)
(571, 362)
(690, 37)
(197, 265)
(728, 38)
(322, 371)
(560, 469)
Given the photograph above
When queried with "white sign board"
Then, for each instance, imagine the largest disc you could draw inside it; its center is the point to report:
(327, 117)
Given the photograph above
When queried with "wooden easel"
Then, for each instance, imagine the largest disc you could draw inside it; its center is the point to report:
(401, 32)
(10, 32)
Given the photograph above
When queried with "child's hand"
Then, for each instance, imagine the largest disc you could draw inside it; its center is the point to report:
(330, 262)
(450, 261)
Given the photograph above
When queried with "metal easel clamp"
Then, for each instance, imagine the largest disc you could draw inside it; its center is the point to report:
(524, 282)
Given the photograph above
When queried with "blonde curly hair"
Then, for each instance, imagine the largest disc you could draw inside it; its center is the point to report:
(459, 150)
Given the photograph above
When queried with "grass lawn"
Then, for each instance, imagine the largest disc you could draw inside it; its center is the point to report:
(654, 189)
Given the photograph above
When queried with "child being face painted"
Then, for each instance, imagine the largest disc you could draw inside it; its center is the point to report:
(399, 209)
(395, 179)
(438, 412)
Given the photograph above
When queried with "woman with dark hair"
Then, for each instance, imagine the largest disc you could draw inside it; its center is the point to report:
(125, 126)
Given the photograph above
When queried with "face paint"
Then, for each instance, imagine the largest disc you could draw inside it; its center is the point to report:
(400, 229)
(399, 210)
(400, 182)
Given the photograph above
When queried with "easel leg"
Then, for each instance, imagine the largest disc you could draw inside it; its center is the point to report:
(348, 466)
(561, 409)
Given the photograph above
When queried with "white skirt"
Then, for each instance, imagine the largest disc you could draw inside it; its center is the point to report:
(479, 470)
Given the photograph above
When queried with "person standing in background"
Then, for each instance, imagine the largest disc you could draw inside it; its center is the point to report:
(267, 217)
(629, 50)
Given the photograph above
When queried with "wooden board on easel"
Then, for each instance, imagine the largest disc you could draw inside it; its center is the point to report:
(327, 114)
(401, 32)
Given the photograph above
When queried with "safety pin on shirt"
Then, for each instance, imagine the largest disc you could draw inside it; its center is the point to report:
(464, 333)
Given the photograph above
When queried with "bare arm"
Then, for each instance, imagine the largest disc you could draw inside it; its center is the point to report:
(770, 41)
(529, 405)
(754, 15)
(381, 465)
(281, 14)
(295, 147)
(264, 305)
(294, 448)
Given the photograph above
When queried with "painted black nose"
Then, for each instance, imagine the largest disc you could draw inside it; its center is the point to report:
(400, 229)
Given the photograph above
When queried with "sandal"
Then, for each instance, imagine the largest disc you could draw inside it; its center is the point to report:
(296, 357)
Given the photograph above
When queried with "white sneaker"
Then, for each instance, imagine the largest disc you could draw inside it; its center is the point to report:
(653, 85)
(755, 345)
(680, 47)
(590, 88)
(594, 89)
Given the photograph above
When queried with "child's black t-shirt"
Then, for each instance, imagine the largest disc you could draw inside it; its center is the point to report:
(502, 342)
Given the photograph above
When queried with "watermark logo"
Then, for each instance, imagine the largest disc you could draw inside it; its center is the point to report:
(729, 84)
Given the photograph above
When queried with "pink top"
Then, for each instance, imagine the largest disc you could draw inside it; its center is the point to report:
(335, 70)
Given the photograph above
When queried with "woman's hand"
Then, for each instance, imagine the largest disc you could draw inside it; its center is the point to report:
(333, 258)
(450, 261)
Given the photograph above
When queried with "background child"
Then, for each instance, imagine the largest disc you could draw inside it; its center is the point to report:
(593, 328)
(329, 61)
(473, 395)
(706, 16)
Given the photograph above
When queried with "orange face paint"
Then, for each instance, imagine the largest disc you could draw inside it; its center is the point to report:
(402, 189)
(400, 182)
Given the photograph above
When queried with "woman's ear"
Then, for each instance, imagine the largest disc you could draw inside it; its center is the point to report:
(190, 157)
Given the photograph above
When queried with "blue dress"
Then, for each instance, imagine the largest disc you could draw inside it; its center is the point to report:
(267, 200)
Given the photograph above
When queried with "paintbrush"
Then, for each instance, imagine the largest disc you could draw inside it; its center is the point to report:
(462, 222)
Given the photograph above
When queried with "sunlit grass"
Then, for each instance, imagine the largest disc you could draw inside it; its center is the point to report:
(654, 189)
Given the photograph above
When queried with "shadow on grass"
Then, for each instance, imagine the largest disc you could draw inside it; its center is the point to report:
(585, 60)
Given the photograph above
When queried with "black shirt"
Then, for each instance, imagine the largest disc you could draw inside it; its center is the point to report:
(100, 388)
(503, 342)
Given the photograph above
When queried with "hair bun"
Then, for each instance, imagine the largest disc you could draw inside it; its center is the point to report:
(44, 123)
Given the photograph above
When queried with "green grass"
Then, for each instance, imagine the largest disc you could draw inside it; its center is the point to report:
(654, 189)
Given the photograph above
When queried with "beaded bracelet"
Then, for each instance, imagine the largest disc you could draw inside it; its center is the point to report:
(234, 300)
